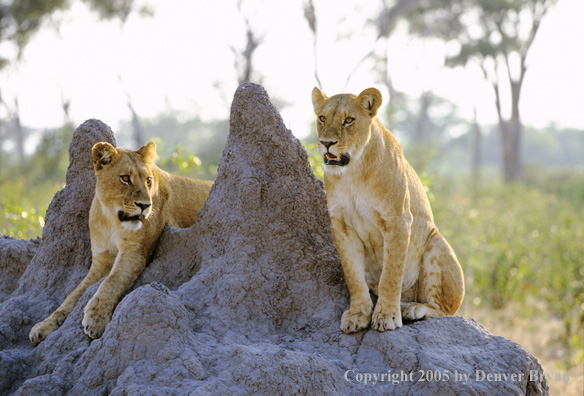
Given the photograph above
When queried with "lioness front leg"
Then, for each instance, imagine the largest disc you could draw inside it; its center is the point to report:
(387, 313)
(352, 255)
(97, 313)
(100, 265)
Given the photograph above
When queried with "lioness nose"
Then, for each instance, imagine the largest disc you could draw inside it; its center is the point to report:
(142, 206)
(327, 143)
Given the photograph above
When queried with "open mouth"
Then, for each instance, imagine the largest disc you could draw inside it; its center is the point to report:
(123, 216)
(331, 159)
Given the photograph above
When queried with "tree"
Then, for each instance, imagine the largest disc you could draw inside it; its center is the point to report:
(21, 19)
(17, 129)
(496, 35)
(425, 124)
(310, 16)
(244, 58)
(137, 130)
(476, 158)
(392, 11)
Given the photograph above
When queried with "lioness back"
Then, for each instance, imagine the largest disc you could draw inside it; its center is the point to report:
(187, 197)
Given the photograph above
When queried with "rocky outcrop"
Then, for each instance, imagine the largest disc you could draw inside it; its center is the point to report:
(15, 254)
(246, 301)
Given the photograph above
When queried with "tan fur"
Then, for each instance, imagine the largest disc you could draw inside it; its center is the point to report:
(382, 222)
(120, 249)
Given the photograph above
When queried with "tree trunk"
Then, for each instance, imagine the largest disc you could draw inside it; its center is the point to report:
(137, 132)
(20, 136)
(511, 155)
(396, 99)
(421, 130)
(477, 147)
(1, 141)
(511, 138)
(506, 151)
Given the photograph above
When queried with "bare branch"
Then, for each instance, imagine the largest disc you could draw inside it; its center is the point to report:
(310, 16)
(363, 59)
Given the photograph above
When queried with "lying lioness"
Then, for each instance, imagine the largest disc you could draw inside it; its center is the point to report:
(133, 201)
(382, 222)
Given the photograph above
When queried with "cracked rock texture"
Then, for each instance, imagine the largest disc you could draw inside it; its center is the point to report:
(246, 302)
(15, 254)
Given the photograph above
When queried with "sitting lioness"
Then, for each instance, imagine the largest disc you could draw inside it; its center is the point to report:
(133, 201)
(381, 218)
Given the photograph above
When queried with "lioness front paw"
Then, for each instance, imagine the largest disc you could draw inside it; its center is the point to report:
(354, 321)
(94, 324)
(95, 320)
(41, 330)
(386, 319)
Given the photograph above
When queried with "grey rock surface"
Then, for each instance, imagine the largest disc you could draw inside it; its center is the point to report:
(245, 302)
(15, 254)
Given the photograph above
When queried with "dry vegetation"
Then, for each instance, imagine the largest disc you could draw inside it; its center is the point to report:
(541, 337)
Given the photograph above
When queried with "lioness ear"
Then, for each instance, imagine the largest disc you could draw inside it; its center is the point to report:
(318, 100)
(102, 154)
(370, 99)
(148, 151)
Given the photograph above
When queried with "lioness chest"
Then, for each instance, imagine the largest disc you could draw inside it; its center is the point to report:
(357, 212)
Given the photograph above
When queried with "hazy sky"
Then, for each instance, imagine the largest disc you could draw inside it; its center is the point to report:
(181, 58)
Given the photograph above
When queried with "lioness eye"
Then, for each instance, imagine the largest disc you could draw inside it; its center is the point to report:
(125, 179)
(349, 120)
(322, 118)
(149, 181)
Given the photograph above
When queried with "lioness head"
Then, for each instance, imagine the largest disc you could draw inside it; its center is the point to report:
(344, 125)
(125, 182)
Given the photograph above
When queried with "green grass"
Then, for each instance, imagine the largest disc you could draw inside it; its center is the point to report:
(519, 244)
(22, 208)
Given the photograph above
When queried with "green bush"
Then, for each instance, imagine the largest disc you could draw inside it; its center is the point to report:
(315, 159)
(180, 161)
(22, 213)
(522, 244)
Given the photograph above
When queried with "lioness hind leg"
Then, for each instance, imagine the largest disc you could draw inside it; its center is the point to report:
(441, 283)
(417, 311)
(101, 264)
